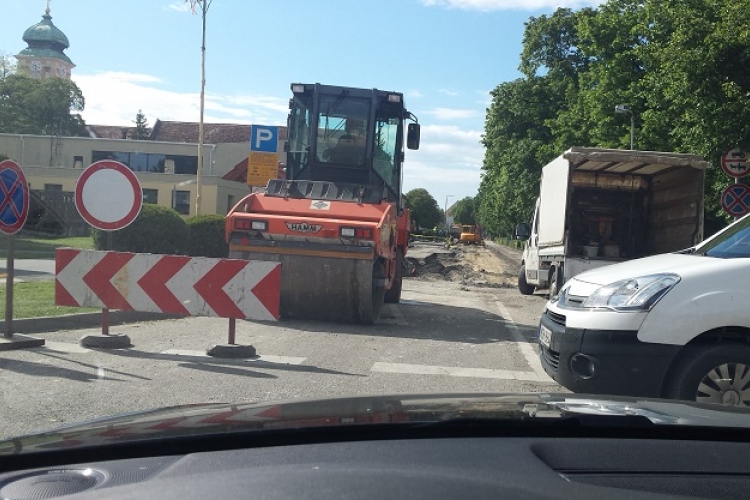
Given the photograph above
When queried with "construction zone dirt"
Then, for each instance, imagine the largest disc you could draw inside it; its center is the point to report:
(491, 265)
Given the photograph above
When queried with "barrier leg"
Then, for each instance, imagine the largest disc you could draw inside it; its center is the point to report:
(231, 349)
(105, 340)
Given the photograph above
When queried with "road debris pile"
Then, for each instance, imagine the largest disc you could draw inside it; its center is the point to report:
(468, 265)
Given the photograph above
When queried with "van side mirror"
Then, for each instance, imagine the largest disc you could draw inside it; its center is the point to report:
(522, 232)
(412, 136)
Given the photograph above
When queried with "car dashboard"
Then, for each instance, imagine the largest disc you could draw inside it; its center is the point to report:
(431, 468)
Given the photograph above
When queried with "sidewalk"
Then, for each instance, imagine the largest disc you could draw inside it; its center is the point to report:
(29, 269)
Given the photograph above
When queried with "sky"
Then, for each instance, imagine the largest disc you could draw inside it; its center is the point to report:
(444, 55)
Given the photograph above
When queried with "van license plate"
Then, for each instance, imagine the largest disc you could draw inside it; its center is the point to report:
(545, 335)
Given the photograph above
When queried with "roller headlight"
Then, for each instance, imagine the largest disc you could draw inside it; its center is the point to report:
(635, 294)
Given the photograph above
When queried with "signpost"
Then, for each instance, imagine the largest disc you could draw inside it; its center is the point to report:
(262, 162)
(108, 195)
(14, 209)
(14, 197)
(735, 163)
(735, 199)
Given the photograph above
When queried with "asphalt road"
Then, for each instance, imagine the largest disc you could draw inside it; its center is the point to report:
(442, 337)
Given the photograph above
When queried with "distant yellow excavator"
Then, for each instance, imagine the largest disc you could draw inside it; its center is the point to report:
(471, 234)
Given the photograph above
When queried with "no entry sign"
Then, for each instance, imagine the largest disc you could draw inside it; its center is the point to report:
(14, 197)
(108, 195)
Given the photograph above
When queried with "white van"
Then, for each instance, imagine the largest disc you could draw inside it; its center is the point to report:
(673, 325)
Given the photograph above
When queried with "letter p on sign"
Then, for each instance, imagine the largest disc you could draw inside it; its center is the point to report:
(264, 138)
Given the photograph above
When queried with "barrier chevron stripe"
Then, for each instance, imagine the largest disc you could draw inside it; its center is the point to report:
(172, 284)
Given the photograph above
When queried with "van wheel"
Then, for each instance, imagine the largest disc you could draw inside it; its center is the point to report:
(523, 286)
(717, 374)
(554, 284)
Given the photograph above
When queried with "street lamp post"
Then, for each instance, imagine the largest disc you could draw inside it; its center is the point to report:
(445, 212)
(623, 108)
(204, 5)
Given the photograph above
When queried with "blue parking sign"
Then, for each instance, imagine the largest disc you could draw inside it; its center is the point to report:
(264, 138)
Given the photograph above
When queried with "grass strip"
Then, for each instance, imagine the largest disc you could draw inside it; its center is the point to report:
(40, 247)
(35, 299)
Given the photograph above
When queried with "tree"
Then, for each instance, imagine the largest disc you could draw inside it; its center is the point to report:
(7, 66)
(424, 209)
(45, 107)
(463, 211)
(142, 130)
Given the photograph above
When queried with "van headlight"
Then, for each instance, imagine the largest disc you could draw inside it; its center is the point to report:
(635, 294)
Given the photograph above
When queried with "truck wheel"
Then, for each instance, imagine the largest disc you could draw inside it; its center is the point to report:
(715, 374)
(523, 286)
(393, 296)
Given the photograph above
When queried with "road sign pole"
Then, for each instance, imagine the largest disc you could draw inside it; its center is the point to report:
(9, 289)
(14, 209)
(736, 181)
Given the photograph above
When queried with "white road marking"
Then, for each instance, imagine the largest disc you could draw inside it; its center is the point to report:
(528, 352)
(65, 347)
(265, 358)
(452, 371)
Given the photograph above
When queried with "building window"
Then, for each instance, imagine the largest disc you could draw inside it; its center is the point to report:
(54, 188)
(150, 162)
(181, 202)
(151, 196)
(230, 202)
(78, 162)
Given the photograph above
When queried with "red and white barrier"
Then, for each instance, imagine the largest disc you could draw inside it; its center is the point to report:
(172, 284)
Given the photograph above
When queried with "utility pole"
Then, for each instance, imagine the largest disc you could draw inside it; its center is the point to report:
(204, 5)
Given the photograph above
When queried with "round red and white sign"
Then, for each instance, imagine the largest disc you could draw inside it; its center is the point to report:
(108, 195)
(735, 163)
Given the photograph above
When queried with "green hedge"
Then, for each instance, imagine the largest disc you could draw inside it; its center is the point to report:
(206, 236)
(157, 229)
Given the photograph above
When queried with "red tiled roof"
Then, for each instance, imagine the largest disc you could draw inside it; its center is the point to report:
(213, 133)
(238, 173)
(109, 131)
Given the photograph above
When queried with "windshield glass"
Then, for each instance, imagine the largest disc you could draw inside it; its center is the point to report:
(733, 243)
(215, 202)
(342, 130)
(388, 128)
(300, 124)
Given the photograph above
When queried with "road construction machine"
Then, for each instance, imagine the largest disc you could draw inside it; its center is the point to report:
(337, 222)
(471, 234)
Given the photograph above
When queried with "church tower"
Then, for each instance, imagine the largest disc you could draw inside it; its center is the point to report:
(44, 56)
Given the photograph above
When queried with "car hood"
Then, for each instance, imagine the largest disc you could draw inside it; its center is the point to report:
(664, 263)
(495, 409)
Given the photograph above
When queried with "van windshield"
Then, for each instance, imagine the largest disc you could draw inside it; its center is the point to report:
(732, 243)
